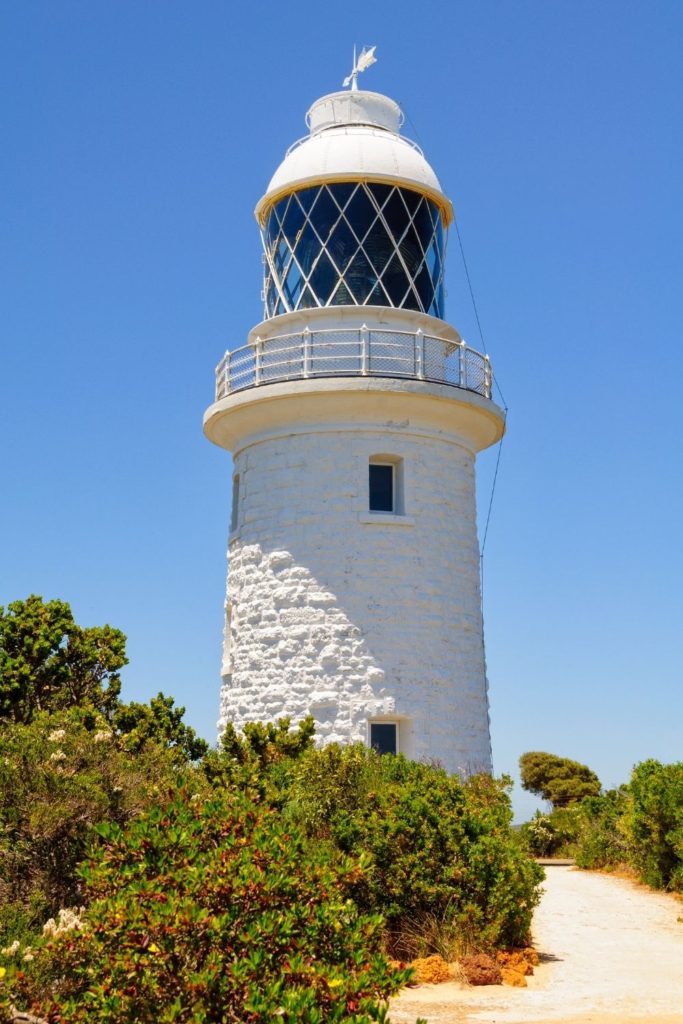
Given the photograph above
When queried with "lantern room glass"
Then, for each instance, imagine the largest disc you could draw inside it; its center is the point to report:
(354, 243)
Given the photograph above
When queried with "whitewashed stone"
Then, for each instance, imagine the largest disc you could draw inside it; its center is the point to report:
(352, 620)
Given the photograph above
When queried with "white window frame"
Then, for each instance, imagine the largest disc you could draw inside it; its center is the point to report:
(397, 483)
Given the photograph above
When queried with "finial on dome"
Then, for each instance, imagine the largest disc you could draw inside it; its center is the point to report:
(367, 57)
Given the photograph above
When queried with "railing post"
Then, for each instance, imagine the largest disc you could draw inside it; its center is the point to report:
(226, 374)
(364, 350)
(420, 354)
(258, 360)
(462, 366)
(487, 378)
(307, 351)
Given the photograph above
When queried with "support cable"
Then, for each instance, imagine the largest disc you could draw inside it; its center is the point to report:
(504, 404)
(495, 380)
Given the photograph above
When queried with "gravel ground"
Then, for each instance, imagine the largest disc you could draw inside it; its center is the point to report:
(612, 953)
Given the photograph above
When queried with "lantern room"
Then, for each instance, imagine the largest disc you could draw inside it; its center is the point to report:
(354, 215)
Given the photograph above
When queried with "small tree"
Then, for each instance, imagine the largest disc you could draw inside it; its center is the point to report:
(158, 722)
(48, 663)
(558, 780)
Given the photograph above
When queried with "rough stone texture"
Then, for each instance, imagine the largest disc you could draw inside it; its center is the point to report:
(480, 969)
(357, 617)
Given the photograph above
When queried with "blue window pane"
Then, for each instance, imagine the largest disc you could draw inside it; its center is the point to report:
(293, 220)
(383, 737)
(411, 199)
(411, 251)
(434, 213)
(425, 289)
(381, 488)
(281, 256)
(323, 279)
(433, 261)
(423, 224)
(307, 197)
(395, 282)
(360, 277)
(342, 245)
(343, 297)
(272, 229)
(307, 247)
(396, 215)
(379, 192)
(292, 285)
(279, 209)
(377, 297)
(378, 246)
(324, 214)
(360, 212)
(271, 298)
(342, 192)
(307, 299)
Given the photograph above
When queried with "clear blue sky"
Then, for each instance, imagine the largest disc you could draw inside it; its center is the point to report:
(137, 138)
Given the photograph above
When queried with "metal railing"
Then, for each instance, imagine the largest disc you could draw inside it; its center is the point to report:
(353, 352)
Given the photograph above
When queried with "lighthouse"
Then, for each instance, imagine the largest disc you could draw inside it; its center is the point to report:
(354, 414)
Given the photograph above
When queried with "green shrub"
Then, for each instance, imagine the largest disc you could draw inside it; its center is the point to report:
(555, 834)
(60, 775)
(603, 840)
(656, 823)
(216, 912)
(441, 850)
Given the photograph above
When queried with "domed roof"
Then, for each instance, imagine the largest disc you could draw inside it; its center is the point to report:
(354, 136)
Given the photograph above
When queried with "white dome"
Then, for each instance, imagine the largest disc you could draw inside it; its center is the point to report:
(354, 137)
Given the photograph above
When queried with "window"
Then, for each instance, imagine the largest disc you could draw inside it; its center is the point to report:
(345, 244)
(234, 517)
(382, 487)
(384, 737)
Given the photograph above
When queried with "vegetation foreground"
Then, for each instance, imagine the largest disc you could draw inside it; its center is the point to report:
(146, 878)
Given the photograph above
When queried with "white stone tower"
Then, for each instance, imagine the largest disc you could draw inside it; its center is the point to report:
(354, 414)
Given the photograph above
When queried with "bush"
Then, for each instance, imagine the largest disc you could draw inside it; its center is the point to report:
(443, 856)
(216, 912)
(555, 834)
(656, 823)
(61, 775)
(603, 840)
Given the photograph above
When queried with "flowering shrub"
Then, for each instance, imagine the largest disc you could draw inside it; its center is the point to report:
(57, 781)
(216, 912)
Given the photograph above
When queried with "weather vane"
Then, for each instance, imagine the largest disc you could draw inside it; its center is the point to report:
(367, 57)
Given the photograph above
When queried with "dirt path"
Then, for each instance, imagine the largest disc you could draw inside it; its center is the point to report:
(612, 952)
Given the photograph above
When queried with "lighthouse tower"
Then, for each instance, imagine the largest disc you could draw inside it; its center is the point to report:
(354, 414)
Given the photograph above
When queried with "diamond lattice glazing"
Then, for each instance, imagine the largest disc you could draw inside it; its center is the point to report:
(353, 243)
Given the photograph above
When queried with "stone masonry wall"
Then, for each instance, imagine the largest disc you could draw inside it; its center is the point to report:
(352, 615)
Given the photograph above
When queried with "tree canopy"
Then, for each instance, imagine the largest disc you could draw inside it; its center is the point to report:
(48, 662)
(559, 780)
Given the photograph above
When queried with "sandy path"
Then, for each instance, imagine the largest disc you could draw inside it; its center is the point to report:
(613, 954)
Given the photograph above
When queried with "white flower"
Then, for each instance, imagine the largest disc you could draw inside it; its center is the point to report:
(68, 920)
(56, 735)
(101, 736)
(58, 755)
(11, 950)
(28, 955)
